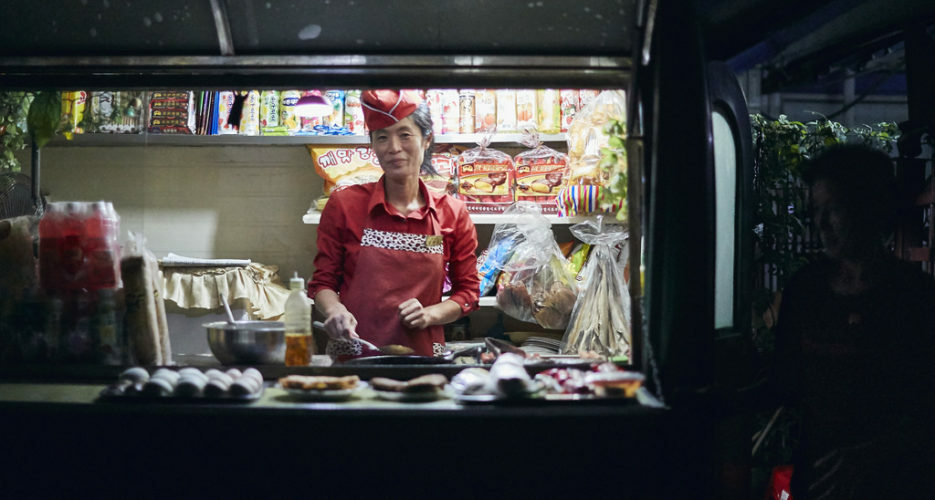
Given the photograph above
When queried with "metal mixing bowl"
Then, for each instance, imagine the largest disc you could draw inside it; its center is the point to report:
(247, 342)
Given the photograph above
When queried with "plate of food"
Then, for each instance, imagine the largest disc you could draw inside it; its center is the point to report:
(420, 389)
(322, 388)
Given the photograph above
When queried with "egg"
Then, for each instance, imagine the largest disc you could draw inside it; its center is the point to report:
(225, 378)
(190, 386)
(212, 372)
(170, 375)
(136, 375)
(188, 370)
(253, 372)
(215, 388)
(157, 387)
(234, 373)
(244, 386)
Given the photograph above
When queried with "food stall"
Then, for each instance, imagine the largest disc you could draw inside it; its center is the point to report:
(659, 442)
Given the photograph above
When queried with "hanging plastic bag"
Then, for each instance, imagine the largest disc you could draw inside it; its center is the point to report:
(485, 178)
(600, 321)
(540, 172)
(586, 136)
(541, 288)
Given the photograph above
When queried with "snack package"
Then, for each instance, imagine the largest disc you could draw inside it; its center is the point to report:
(541, 288)
(583, 200)
(540, 173)
(287, 116)
(549, 115)
(250, 117)
(568, 103)
(225, 103)
(336, 118)
(586, 136)
(506, 110)
(433, 100)
(600, 321)
(466, 103)
(445, 161)
(449, 102)
(307, 124)
(485, 111)
(340, 167)
(354, 113)
(526, 112)
(73, 108)
(111, 112)
(492, 259)
(485, 178)
(171, 112)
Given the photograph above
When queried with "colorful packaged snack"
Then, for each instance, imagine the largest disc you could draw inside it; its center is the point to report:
(485, 179)
(307, 124)
(250, 117)
(485, 111)
(506, 110)
(354, 113)
(287, 116)
(269, 112)
(433, 99)
(336, 119)
(172, 112)
(73, 107)
(112, 112)
(540, 173)
(340, 167)
(225, 104)
(466, 111)
(568, 102)
(418, 92)
(548, 111)
(450, 102)
(526, 110)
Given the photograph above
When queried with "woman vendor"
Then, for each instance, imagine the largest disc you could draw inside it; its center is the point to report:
(384, 247)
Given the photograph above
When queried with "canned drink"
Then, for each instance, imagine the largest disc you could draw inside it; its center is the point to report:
(336, 118)
(250, 117)
(466, 112)
(485, 111)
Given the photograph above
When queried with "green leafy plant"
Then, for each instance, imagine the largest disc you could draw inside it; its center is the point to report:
(14, 107)
(614, 166)
(35, 115)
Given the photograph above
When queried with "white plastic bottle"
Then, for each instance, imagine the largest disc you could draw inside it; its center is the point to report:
(298, 323)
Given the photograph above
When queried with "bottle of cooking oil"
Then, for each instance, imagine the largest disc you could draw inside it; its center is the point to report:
(298, 323)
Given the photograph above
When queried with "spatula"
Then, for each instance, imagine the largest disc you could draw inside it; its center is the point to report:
(392, 349)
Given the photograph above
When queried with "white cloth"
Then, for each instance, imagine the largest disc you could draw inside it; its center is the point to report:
(174, 260)
(199, 288)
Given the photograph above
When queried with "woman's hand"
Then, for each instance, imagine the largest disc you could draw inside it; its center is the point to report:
(341, 326)
(413, 316)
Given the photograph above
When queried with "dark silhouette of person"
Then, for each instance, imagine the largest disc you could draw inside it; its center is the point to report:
(855, 343)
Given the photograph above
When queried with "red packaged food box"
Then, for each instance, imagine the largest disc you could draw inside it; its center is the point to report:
(540, 173)
(485, 179)
(172, 113)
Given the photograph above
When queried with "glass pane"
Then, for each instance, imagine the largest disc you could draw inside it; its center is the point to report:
(725, 179)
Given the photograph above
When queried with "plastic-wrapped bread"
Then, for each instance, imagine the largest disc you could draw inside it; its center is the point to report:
(159, 293)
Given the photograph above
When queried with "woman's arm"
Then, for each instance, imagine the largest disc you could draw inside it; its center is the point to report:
(339, 322)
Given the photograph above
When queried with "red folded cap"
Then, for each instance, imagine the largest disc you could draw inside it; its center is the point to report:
(383, 108)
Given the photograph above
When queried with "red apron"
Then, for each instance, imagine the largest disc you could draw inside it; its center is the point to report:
(391, 268)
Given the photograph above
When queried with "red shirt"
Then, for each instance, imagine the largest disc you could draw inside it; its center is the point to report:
(342, 226)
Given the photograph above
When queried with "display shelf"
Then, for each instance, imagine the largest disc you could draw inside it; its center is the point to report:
(135, 140)
(315, 217)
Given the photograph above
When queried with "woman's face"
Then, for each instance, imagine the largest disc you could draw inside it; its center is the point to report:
(400, 148)
(842, 232)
